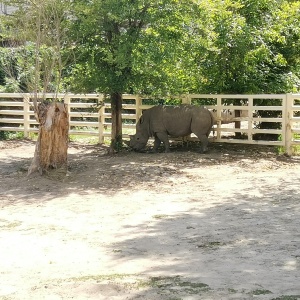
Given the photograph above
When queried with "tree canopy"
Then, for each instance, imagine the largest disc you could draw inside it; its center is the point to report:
(256, 48)
(138, 46)
(159, 46)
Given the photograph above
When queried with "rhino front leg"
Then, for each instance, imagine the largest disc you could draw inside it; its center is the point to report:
(165, 139)
(157, 143)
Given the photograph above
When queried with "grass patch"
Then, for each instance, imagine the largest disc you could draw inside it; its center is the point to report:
(103, 277)
(9, 225)
(160, 282)
(160, 216)
(211, 245)
(174, 282)
(86, 139)
(11, 135)
(172, 287)
(194, 287)
(288, 297)
(260, 292)
(295, 148)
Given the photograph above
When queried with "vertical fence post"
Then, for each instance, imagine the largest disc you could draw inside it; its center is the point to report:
(288, 115)
(67, 101)
(101, 119)
(138, 108)
(219, 117)
(186, 99)
(250, 119)
(26, 115)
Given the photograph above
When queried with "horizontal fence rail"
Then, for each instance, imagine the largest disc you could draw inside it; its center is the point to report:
(236, 116)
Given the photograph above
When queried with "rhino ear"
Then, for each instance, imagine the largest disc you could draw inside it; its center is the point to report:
(130, 136)
(141, 120)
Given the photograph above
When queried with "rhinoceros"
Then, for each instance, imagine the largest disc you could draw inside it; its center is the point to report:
(176, 121)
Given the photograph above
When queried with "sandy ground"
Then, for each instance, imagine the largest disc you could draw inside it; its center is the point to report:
(224, 225)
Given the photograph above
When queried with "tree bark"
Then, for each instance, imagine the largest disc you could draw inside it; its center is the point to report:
(116, 119)
(52, 144)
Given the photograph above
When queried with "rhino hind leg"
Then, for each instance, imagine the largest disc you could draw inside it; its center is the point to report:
(204, 142)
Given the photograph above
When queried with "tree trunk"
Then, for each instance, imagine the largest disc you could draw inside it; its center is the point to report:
(116, 119)
(52, 144)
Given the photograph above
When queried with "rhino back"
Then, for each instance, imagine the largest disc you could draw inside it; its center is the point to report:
(178, 120)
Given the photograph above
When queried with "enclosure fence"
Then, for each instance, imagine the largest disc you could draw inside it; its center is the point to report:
(238, 118)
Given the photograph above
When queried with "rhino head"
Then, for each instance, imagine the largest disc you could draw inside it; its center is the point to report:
(138, 141)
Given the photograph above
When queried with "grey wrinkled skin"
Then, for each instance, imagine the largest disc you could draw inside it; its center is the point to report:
(161, 122)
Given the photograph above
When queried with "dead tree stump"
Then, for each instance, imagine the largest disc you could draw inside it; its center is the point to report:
(52, 144)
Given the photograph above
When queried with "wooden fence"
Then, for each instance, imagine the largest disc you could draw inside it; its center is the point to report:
(90, 115)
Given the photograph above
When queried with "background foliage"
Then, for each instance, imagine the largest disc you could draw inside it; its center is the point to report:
(155, 47)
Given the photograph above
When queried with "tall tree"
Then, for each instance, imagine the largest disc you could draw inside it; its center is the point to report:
(124, 46)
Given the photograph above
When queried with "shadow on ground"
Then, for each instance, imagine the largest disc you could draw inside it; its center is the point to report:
(243, 248)
(92, 170)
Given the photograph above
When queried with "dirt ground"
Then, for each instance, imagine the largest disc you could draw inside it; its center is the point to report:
(182, 225)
